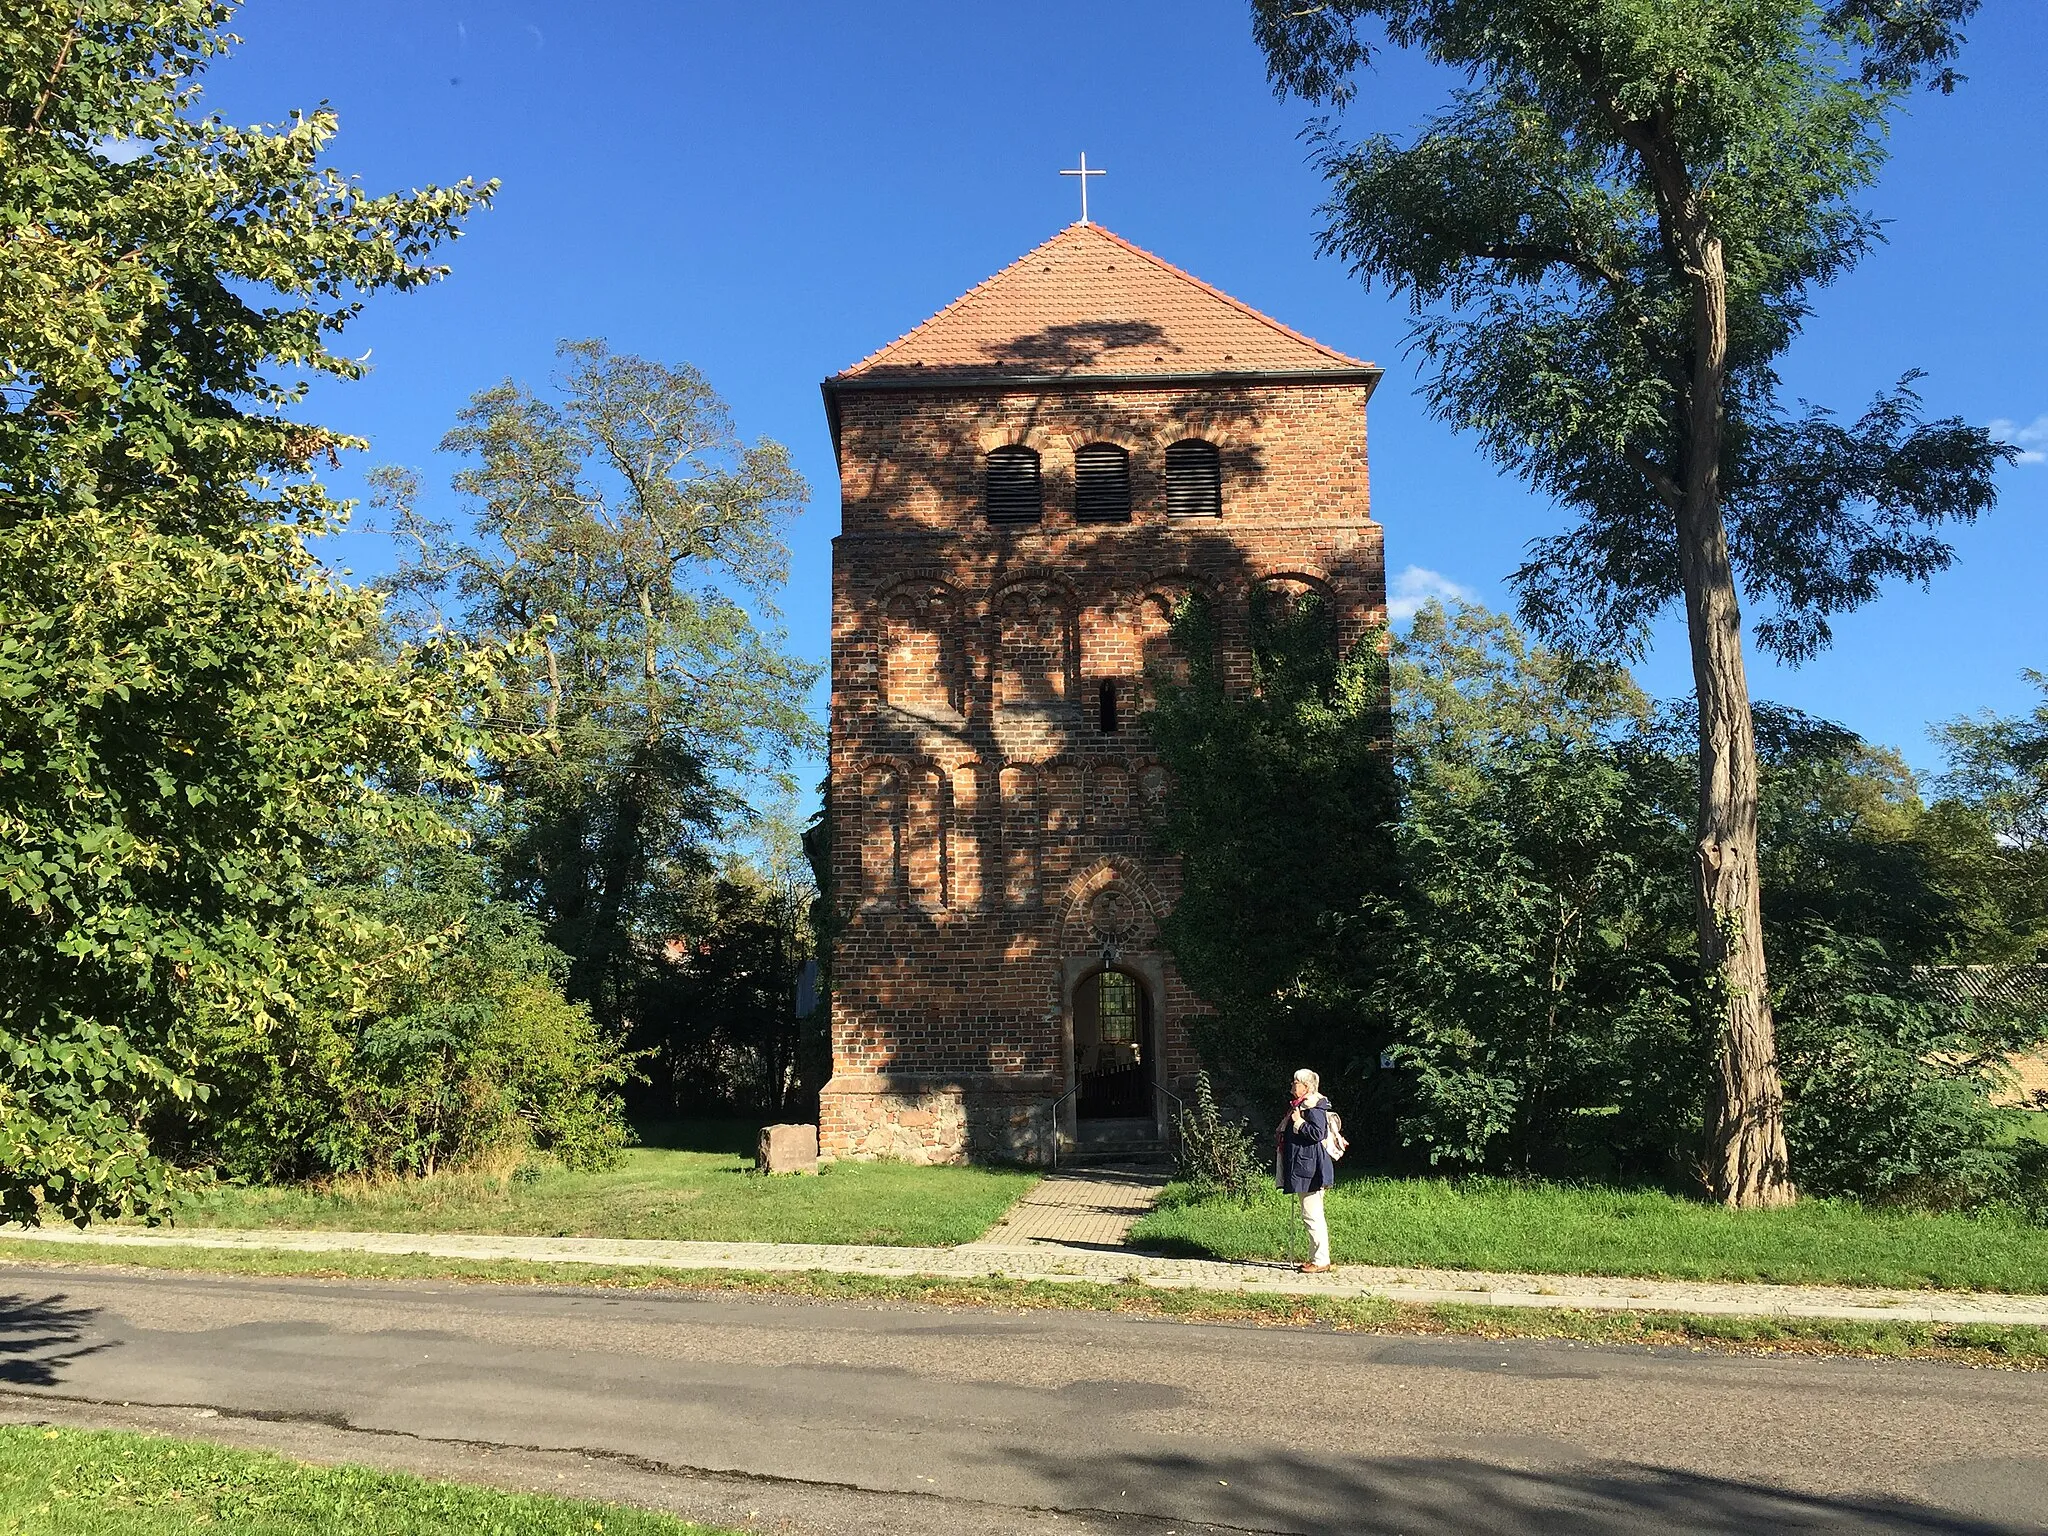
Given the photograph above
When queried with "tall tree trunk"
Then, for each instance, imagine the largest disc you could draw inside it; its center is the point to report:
(1748, 1165)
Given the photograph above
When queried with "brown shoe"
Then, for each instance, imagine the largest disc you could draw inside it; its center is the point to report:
(1314, 1269)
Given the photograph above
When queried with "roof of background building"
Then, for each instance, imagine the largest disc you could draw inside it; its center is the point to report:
(2021, 989)
(1089, 304)
(2004, 992)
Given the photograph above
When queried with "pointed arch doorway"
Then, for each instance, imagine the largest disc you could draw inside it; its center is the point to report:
(1115, 1045)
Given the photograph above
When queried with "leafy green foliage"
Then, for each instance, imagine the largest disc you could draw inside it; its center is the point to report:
(1281, 797)
(635, 541)
(1997, 784)
(1214, 1152)
(459, 1048)
(187, 703)
(1543, 226)
(1526, 964)
(1523, 952)
(1887, 1081)
(1889, 1075)
(70, 1101)
(1609, 235)
(2000, 765)
(718, 1017)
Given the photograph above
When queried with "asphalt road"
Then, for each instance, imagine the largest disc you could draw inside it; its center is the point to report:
(825, 1417)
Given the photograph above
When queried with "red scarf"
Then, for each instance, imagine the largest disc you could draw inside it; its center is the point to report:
(1280, 1135)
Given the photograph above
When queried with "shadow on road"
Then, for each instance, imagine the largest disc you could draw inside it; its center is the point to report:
(39, 1337)
(1451, 1496)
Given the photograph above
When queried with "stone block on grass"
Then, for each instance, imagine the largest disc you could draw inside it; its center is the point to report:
(788, 1149)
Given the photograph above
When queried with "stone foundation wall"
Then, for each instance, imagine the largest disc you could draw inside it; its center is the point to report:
(931, 1119)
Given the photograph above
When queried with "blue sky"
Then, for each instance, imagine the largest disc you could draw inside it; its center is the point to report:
(770, 191)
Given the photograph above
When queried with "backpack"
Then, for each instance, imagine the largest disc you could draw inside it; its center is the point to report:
(1334, 1143)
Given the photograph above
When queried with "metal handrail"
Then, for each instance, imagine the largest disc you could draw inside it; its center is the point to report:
(1180, 1106)
(1173, 1125)
(1056, 1103)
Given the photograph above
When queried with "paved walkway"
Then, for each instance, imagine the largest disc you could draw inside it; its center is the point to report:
(1041, 1260)
(1078, 1208)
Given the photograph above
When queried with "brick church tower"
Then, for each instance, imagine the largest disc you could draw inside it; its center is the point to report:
(1029, 482)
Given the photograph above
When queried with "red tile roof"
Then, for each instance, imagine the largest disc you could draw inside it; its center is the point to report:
(1089, 303)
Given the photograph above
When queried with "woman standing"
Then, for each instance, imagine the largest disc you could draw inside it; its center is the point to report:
(1303, 1161)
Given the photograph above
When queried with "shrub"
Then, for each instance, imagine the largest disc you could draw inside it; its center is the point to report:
(465, 1049)
(1217, 1154)
(1888, 1087)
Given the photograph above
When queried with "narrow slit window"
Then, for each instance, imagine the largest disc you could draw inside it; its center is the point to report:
(1105, 706)
(1014, 492)
(1102, 484)
(1194, 479)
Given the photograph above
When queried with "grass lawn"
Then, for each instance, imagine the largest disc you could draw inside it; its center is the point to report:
(661, 1192)
(60, 1482)
(1491, 1224)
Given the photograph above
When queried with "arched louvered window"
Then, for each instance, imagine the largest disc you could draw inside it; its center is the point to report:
(1015, 493)
(1194, 479)
(1102, 484)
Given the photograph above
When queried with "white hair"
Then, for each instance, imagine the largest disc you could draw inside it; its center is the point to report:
(1315, 1084)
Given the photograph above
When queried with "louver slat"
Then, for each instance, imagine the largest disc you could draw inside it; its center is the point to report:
(1102, 484)
(1015, 494)
(1194, 480)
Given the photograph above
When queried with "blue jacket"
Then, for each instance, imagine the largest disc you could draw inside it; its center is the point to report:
(1302, 1164)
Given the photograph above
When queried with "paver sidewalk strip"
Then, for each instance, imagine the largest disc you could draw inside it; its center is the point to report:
(1095, 1208)
(1033, 1259)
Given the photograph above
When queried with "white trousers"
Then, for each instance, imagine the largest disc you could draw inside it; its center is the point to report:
(1318, 1229)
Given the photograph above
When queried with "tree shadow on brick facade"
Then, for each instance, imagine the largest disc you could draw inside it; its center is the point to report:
(991, 743)
(938, 454)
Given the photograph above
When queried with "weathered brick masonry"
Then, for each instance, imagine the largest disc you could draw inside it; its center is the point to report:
(989, 826)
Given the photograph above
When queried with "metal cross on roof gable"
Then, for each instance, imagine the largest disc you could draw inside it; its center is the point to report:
(1084, 173)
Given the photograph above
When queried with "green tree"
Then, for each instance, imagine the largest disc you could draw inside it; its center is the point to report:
(185, 699)
(1609, 236)
(1999, 763)
(1996, 788)
(1526, 963)
(1889, 1078)
(627, 533)
(1281, 800)
(1519, 941)
(458, 1045)
(721, 1025)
